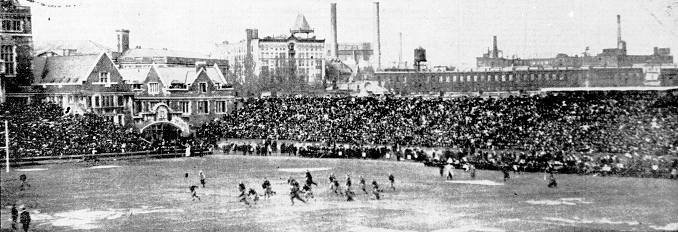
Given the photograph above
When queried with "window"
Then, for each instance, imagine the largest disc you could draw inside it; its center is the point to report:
(96, 101)
(503, 78)
(203, 107)
(221, 107)
(136, 86)
(153, 87)
(7, 54)
(104, 77)
(510, 77)
(121, 101)
(11, 26)
(185, 107)
(203, 87)
(454, 78)
(475, 78)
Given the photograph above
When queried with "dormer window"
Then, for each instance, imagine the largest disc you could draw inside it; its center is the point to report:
(203, 87)
(153, 87)
(104, 77)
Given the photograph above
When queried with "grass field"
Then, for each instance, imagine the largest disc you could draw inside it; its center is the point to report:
(153, 195)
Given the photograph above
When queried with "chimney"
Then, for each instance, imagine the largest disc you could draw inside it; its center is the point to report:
(200, 65)
(620, 43)
(377, 39)
(334, 45)
(495, 50)
(123, 40)
(400, 54)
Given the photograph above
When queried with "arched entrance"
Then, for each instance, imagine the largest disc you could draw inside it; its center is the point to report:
(162, 131)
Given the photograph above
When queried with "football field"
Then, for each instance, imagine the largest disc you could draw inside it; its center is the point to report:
(153, 195)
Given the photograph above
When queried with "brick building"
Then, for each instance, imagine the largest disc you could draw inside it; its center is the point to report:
(80, 84)
(182, 97)
(16, 46)
(299, 54)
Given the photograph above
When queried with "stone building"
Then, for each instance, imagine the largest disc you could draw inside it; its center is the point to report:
(80, 84)
(181, 97)
(16, 47)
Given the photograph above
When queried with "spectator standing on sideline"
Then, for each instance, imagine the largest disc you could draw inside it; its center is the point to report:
(15, 216)
(25, 219)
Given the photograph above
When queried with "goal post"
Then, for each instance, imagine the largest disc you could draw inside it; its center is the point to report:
(6, 147)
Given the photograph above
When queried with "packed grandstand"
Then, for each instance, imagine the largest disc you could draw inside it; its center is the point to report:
(622, 133)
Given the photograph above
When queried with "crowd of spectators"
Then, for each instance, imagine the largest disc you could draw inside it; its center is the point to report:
(44, 130)
(560, 126)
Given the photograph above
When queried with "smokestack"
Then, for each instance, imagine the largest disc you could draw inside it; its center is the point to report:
(123, 40)
(619, 40)
(400, 55)
(334, 45)
(495, 50)
(377, 39)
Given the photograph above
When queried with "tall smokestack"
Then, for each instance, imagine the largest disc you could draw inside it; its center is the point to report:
(377, 40)
(495, 50)
(334, 45)
(619, 40)
(400, 54)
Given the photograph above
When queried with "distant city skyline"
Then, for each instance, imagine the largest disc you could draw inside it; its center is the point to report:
(452, 32)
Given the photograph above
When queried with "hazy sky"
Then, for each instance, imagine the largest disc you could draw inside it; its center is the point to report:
(453, 32)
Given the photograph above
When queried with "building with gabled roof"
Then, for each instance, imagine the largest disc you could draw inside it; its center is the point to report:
(180, 96)
(80, 84)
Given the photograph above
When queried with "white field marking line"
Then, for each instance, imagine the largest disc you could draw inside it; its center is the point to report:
(465, 228)
(365, 228)
(587, 221)
(89, 219)
(478, 182)
(669, 227)
(550, 202)
(562, 201)
(302, 169)
(30, 169)
(104, 166)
